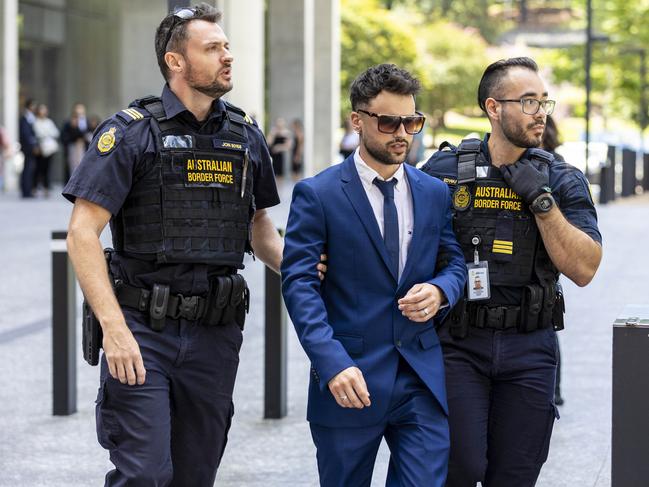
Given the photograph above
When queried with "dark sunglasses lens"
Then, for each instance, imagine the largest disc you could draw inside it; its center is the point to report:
(388, 124)
(413, 125)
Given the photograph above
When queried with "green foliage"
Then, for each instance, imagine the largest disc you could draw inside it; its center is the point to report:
(446, 58)
(371, 35)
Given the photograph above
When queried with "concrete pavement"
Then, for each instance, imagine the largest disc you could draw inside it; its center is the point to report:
(37, 449)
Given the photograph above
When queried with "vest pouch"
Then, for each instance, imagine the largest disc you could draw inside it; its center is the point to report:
(531, 307)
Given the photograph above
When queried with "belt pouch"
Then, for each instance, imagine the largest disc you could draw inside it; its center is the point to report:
(531, 308)
(158, 306)
(459, 322)
(559, 308)
(218, 299)
(549, 292)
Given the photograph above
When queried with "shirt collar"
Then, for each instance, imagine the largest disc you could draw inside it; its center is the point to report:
(173, 106)
(367, 174)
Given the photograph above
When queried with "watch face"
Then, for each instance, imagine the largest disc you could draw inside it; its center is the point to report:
(543, 203)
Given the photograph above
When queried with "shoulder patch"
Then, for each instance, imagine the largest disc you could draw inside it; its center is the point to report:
(129, 115)
(108, 140)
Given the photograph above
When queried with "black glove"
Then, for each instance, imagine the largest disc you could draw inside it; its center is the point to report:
(528, 181)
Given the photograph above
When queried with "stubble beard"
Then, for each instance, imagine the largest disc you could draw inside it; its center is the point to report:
(215, 89)
(381, 153)
(518, 136)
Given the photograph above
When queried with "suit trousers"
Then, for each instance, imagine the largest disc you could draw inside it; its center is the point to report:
(415, 429)
(500, 386)
(172, 430)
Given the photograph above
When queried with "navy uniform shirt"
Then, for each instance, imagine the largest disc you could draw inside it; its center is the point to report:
(106, 174)
(570, 190)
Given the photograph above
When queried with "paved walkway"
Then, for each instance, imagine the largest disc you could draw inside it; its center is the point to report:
(37, 449)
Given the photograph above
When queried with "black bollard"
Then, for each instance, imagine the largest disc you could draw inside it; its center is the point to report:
(607, 178)
(64, 336)
(630, 441)
(275, 349)
(628, 172)
(645, 173)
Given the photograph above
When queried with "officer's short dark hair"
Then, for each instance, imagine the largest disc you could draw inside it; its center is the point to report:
(388, 77)
(491, 81)
(179, 35)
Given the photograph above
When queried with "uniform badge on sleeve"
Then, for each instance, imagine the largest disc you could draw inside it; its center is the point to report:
(107, 140)
(461, 198)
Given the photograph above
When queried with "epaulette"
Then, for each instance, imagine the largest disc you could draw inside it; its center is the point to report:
(130, 115)
(235, 109)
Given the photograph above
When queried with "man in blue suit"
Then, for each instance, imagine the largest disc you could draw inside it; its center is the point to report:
(369, 328)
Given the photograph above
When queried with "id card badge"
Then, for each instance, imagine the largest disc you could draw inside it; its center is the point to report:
(477, 283)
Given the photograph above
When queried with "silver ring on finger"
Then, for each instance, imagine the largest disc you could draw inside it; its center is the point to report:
(343, 398)
(425, 311)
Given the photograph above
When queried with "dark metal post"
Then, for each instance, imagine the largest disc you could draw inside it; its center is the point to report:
(628, 172)
(645, 174)
(275, 349)
(64, 336)
(630, 442)
(607, 178)
(588, 62)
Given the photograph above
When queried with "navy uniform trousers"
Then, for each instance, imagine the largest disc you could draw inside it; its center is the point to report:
(172, 430)
(415, 422)
(500, 386)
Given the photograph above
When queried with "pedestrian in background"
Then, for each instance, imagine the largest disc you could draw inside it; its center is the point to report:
(279, 144)
(29, 148)
(75, 138)
(349, 141)
(552, 140)
(297, 148)
(47, 135)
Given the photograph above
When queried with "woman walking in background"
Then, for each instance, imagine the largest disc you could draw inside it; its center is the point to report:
(47, 135)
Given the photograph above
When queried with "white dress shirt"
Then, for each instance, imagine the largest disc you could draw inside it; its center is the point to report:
(402, 200)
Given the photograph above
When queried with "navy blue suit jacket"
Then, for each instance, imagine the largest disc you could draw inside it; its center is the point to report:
(352, 318)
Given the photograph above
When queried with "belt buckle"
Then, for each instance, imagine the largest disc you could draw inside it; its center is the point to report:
(188, 307)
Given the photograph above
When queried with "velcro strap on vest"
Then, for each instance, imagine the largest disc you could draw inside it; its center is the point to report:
(467, 154)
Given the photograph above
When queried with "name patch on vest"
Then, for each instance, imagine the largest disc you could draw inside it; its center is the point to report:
(497, 198)
(214, 172)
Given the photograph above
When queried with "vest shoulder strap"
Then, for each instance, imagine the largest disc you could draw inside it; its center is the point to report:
(467, 154)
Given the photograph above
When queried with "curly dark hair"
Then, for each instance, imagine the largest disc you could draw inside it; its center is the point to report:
(491, 81)
(178, 27)
(388, 77)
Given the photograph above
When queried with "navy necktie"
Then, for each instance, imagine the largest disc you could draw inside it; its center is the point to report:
(390, 221)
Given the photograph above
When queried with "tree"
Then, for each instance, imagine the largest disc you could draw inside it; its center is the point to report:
(371, 35)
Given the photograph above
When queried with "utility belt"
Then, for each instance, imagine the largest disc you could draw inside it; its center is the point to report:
(228, 300)
(541, 307)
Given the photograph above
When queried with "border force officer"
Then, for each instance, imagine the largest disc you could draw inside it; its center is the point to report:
(521, 218)
(184, 180)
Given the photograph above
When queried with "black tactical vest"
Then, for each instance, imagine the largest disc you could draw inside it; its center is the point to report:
(489, 212)
(194, 204)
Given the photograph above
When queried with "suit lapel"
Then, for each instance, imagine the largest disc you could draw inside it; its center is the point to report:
(353, 188)
(419, 225)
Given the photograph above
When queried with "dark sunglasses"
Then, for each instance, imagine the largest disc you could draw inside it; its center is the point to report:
(389, 124)
(180, 15)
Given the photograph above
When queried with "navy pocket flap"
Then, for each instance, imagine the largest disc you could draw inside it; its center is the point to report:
(428, 339)
(353, 344)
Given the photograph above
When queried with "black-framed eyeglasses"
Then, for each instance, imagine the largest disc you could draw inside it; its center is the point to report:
(389, 124)
(181, 15)
(531, 106)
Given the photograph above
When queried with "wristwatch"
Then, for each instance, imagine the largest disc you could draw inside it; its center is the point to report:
(543, 203)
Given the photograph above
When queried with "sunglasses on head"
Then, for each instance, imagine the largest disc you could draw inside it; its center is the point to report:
(180, 15)
(389, 124)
